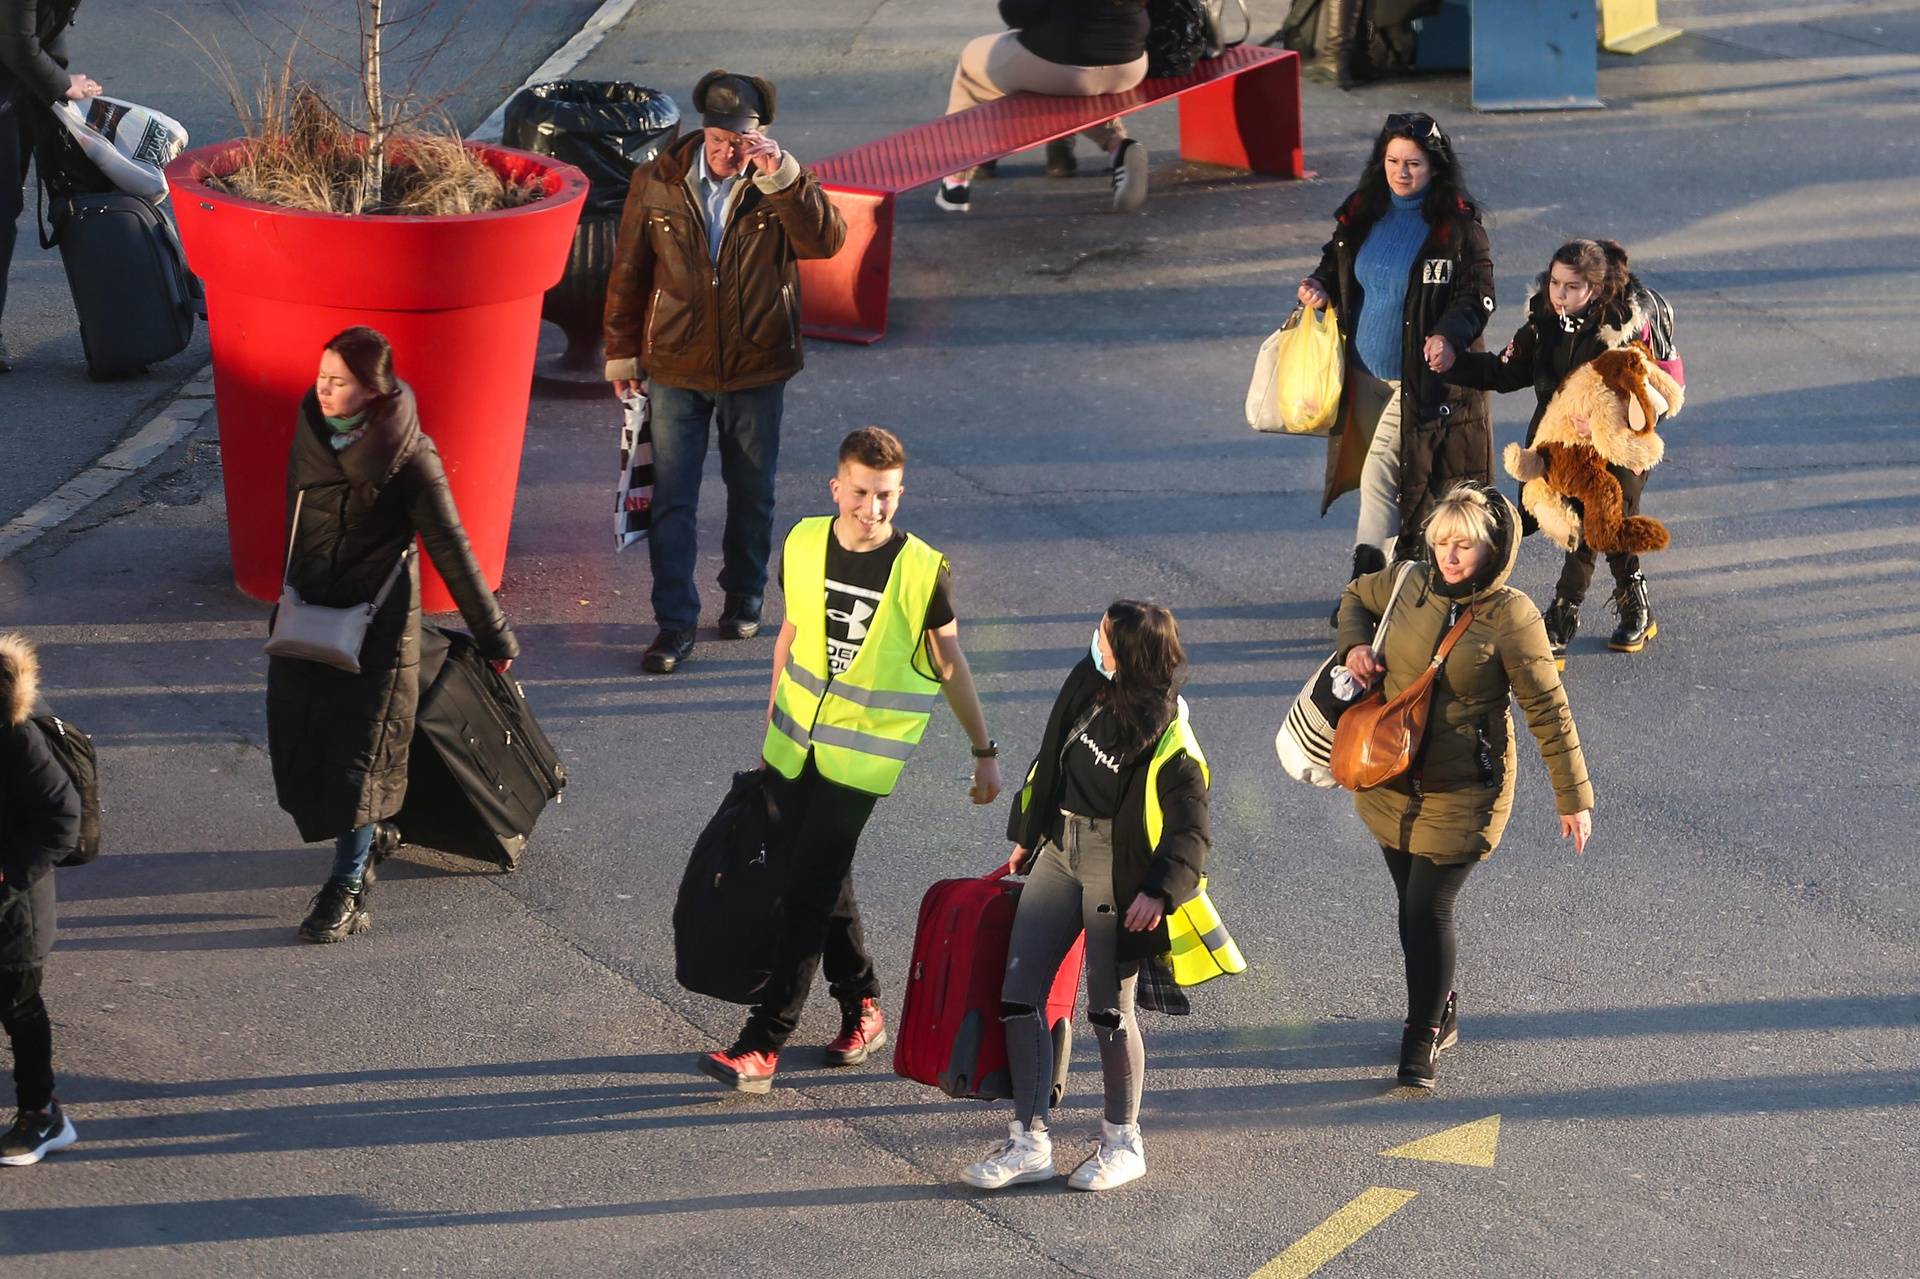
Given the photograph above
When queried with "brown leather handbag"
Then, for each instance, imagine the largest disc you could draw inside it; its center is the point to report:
(1376, 739)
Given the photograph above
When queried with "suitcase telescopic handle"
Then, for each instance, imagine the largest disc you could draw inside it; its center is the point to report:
(998, 872)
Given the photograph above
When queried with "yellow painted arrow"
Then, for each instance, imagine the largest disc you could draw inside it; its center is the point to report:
(1472, 1144)
(1332, 1237)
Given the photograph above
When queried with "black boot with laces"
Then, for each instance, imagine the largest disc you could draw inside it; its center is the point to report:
(1636, 616)
(339, 911)
(1563, 621)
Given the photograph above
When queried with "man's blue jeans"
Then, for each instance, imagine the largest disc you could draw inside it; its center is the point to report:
(748, 424)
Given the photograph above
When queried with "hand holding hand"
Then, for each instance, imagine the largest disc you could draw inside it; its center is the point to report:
(1311, 294)
(1579, 826)
(762, 151)
(1364, 664)
(1439, 353)
(986, 781)
(80, 88)
(1144, 915)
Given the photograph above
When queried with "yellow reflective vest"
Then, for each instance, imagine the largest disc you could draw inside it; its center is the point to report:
(862, 725)
(1202, 948)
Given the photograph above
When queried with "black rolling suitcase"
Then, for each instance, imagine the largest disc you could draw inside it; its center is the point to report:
(128, 275)
(125, 266)
(480, 771)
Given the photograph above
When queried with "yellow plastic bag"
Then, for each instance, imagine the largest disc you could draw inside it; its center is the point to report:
(1297, 377)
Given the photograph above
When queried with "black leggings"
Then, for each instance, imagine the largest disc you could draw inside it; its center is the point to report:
(1427, 939)
(24, 1015)
(1576, 572)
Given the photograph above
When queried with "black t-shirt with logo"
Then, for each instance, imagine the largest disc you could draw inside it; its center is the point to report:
(856, 582)
(1093, 760)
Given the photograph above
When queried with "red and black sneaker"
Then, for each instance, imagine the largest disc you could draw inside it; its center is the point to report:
(862, 1029)
(740, 1070)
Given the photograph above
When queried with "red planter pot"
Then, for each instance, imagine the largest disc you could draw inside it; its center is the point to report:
(459, 297)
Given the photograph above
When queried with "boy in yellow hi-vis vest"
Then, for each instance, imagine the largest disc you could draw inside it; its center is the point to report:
(869, 645)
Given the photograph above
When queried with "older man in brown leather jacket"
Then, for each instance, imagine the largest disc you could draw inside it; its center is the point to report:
(704, 305)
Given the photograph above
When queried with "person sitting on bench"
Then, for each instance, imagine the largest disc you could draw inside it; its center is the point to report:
(1065, 49)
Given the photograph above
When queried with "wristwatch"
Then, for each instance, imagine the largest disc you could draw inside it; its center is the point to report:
(990, 751)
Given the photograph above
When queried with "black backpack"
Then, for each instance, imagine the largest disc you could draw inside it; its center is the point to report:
(1181, 33)
(730, 916)
(74, 750)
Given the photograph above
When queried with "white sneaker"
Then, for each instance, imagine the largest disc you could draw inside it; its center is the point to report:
(1120, 1159)
(1024, 1156)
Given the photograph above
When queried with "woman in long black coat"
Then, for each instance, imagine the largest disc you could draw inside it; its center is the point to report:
(363, 479)
(1410, 274)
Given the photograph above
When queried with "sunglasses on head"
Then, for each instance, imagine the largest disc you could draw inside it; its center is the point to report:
(1418, 125)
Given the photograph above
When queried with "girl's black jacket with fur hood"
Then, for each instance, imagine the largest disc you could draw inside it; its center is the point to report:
(1545, 348)
(39, 813)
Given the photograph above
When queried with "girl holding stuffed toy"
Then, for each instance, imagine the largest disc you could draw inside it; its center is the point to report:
(1586, 303)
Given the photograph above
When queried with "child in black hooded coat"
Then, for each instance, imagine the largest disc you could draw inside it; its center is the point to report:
(39, 824)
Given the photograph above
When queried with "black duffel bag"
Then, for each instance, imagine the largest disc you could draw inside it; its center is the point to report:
(730, 916)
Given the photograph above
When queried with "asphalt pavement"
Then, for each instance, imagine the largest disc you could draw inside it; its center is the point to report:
(1700, 1039)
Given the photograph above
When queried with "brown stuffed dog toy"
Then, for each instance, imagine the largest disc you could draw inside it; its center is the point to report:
(1604, 413)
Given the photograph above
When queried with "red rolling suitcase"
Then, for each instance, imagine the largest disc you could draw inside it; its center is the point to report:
(950, 1032)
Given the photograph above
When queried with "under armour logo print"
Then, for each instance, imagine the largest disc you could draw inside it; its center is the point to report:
(855, 621)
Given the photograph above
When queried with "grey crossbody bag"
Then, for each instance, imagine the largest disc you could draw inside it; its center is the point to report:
(314, 633)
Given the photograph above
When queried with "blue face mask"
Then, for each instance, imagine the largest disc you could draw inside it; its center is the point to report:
(1098, 664)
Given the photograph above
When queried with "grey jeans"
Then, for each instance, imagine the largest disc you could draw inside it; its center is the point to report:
(1069, 889)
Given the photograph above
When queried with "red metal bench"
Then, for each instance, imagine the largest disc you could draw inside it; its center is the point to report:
(1240, 110)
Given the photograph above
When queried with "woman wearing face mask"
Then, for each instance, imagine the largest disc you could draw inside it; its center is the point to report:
(1437, 821)
(362, 481)
(1409, 272)
(1111, 832)
(1587, 303)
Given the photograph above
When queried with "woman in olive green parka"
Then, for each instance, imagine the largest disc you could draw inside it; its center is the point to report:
(1447, 813)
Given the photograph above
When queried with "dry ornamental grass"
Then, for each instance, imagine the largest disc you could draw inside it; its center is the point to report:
(302, 155)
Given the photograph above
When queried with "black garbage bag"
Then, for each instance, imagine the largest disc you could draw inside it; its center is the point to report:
(604, 127)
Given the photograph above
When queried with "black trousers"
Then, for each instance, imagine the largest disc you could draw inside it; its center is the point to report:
(24, 1015)
(1427, 892)
(823, 919)
(1577, 573)
(16, 149)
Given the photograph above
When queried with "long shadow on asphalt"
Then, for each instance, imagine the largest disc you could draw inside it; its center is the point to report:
(102, 1227)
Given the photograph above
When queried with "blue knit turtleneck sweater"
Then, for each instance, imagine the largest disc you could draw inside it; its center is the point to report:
(1382, 268)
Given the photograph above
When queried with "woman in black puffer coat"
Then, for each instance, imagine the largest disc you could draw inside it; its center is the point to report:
(365, 480)
(39, 824)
